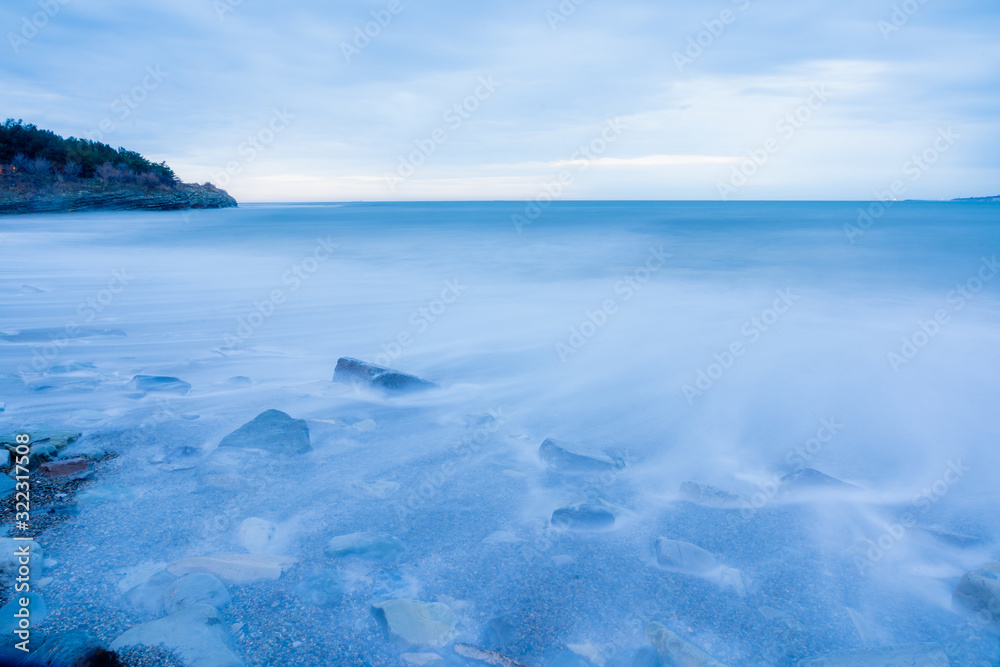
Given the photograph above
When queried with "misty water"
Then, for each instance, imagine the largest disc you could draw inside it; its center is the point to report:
(729, 345)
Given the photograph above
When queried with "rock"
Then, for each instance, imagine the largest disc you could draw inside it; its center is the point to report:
(681, 556)
(675, 651)
(979, 592)
(378, 377)
(709, 496)
(71, 649)
(807, 481)
(63, 468)
(420, 658)
(36, 608)
(197, 634)
(273, 431)
(583, 517)
(92, 194)
(105, 493)
(646, 656)
(411, 623)
(5, 461)
(324, 589)
(10, 554)
(914, 655)
(256, 534)
(148, 595)
(590, 652)
(488, 657)
(234, 569)
(197, 588)
(160, 383)
(562, 457)
(366, 426)
(7, 486)
(39, 454)
(367, 545)
(58, 438)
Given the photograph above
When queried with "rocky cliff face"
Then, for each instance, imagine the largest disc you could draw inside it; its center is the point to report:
(85, 196)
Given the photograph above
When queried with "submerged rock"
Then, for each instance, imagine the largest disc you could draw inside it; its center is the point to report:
(709, 496)
(682, 556)
(562, 457)
(914, 655)
(272, 431)
(368, 545)
(160, 383)
(71, 649)
(10, 550)
(808, 480)
(583, 517)
(105, 493)
(675, 651)
(378, 377)
(197, 634)
(488, 657)
(979, 592)
(324, 589)
(410, 623)
(234, 569)
(37, 609)
(256, 534)
(197, 588)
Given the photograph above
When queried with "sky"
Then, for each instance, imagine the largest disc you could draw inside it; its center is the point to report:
(579, 99)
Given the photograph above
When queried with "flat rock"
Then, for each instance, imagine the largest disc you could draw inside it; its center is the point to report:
(583, 517)
(71, 649)
(197, 588)
(979, 592)
(681, 556)
(105, 493)
(675, 651)
(378, 377)
(273, 431)
(256, 534)
(709, 496)
(38, 435)
(234, 569)
(160, 383)
(197, 634)
(411, 623)
(63, 468)
(378, 546)
(914, 655)
(564, 457)
(36, 607)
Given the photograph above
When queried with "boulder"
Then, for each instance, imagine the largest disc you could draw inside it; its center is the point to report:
(70, 649)
(914, 655)
(197, 634)
(234, 569)
(414, 624)
(10, 554)
(256, 534)
(675, 651)
(148, 595)
(376, 546)
(979, 592)
(273, 431)
(36, 608)
(583, 517)
(159, 383)
(564, 457)
(39, 435)
(197, 588)
(378, 377)
(323, 589)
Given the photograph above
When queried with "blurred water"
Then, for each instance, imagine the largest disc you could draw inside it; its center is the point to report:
(611, 325)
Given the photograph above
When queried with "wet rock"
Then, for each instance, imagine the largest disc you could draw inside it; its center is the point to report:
(71, 649)
(675, 651)
(234, 569)
(979, 592)
(8, 619)
(197, 588)
(680, 556)
(197, 635)
(148, 595)
(38, 435)
(5, 461)
(11, 551)
(7, 486)
(256, 534)
(39, 454)
(63, 468)
(709, 496)
(646, 656)
(563, 457)
(410, 623)
(323, 589)
(583, 517)
(105, 493)
(914, 655)
(273, 431)
(807, 481)
(160, 383)
(487, 657)
(378, 377)
(368, 545)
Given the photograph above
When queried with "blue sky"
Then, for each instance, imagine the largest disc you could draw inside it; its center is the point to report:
(818, 99)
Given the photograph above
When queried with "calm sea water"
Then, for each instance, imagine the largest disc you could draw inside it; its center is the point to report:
(727, 344)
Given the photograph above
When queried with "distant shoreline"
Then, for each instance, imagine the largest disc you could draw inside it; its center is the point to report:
(94, 195)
